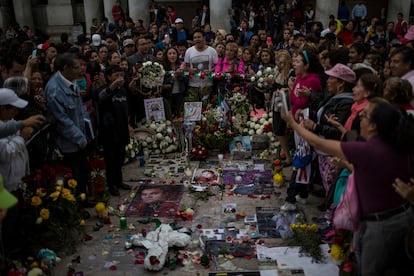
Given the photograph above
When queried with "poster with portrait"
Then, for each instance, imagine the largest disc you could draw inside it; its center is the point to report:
(192, 111)
(207, 176)
(240, 143)
(153, 200)
(154, 109)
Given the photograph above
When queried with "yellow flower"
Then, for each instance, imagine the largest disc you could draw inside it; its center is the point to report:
(69, 197)
(44, 213)
(39, 220)
(82, 196)
(278, 178)
(66, 192)
(36, 201)
(100, 207)
(34, 264)
(82, 222)
(337, 253)
(72, 183)
(55, 195)
(58, 188)
(41, 192)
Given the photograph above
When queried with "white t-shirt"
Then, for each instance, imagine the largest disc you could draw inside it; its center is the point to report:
(203, 61)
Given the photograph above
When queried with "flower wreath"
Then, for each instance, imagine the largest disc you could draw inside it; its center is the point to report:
(152, 74)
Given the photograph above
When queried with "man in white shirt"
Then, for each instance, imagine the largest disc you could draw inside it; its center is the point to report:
(200, 60)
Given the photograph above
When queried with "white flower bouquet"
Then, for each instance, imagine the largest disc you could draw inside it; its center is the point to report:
(262, 76)
(262, 125)
(163, 141)
(131, 150)
(152, 74)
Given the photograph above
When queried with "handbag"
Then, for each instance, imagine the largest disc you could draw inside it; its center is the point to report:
(347, 214)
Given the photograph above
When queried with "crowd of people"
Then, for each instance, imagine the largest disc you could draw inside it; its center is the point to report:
(354, 79)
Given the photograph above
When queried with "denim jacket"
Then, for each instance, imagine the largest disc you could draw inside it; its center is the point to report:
(66, 110)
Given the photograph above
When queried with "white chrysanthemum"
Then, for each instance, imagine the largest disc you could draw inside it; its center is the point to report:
(269, 70)
(245, 130)
(157, 151)
(132, 154)
(259, 74)
(252, 125)
(257, 126)
(148, 139)
(270, 134)
(265, 116)
(130, 146)
(263, 121)
(159, 136)
(259, 131)
(168, 122)
(272, 139)
(169, 130)
(260, 80)
(168, 139)
(251, 132)
(153, 126)
(144, 144)
(270, 120)
(252, 79)
(254, 119)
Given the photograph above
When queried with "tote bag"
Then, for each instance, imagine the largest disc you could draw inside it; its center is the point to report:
(348, 212)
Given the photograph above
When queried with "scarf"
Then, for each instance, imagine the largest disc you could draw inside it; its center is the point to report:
(355, 109)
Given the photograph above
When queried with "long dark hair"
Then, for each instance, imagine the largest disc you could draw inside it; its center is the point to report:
(393, 125)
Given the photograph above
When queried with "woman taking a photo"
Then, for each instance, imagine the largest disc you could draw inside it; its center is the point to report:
(385, 216)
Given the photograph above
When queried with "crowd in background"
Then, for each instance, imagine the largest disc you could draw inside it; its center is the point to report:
(333, 70)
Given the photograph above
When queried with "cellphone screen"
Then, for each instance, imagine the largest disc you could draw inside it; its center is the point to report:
(34, 53)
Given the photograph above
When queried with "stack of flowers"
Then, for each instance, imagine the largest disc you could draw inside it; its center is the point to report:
(307, 237)
(131, 150)
(152, 74)
(261, 77)
(97, 180)
(340, 251)
(214, 130)
(51, 216)
(163, 141)
(240, 108)
(278, 178)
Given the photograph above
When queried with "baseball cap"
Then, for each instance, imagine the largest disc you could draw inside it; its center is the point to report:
(9, 97)
(342, 72)
(96, 40)
(179, 20)
(7, 200)
(127, 42)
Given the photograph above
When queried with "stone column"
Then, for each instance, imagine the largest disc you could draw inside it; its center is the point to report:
(397, 6)
(59, 14)
(323, 9)
(219, 18)
(5, 14)
(92, 9)
(139, 10)
(23, 13)
(108, 4)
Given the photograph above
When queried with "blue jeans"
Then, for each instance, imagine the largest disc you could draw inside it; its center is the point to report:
(382, 245)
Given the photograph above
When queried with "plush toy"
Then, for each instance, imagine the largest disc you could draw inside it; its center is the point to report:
(157, 242)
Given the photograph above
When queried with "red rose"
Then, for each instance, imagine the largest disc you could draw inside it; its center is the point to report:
(154, 260)
(277, 162)
(347, 267)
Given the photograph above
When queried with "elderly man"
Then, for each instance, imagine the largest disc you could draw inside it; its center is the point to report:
(402, 65)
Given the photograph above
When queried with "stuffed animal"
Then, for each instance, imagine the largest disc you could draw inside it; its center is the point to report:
(157, 242)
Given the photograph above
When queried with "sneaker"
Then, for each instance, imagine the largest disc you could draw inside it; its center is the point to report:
(288, 207)
(301, 200)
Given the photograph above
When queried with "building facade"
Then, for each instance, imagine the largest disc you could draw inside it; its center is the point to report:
(75, 16)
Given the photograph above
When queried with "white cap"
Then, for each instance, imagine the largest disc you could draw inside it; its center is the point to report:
(9, 97)
(96, 40)
(179, 20)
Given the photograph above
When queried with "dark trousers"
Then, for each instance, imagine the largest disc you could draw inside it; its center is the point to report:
(114, 155)
(78, 163)
(296, 189)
